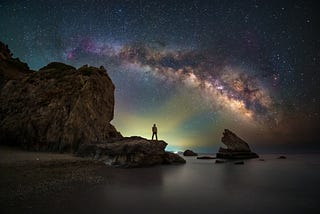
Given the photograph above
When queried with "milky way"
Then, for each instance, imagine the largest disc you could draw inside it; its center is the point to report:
(224, 86)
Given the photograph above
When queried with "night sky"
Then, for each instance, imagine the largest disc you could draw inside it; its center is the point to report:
(192, 67)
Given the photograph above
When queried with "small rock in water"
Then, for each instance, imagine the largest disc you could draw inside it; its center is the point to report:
(189, 153)
(238, 163)
(206, 157)
(282, 157)
(219, 161)
(261, 159)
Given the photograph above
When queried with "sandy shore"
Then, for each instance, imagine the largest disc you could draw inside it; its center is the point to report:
(29, 176)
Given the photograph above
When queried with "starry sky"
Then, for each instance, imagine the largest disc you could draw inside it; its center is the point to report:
(192, 67)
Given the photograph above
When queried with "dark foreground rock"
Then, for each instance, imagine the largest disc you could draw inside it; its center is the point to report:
(131, 152)
(236, 147)
(189, 153)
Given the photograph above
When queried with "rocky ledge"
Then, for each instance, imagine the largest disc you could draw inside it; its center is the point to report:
(131, 152)
(236, 147)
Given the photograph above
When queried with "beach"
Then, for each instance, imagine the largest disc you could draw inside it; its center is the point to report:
(33, 182)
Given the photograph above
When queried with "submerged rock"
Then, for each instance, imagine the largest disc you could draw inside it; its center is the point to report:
(172, 158)
(220, 161)
(282, 157)
(238, 163)
(131, 152)
(236, 147)
(189, 153)
(205, 157)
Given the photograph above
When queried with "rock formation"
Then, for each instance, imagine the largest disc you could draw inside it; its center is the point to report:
(131, 152)
(57, 108)
(189, 153)
(236, 147)
(61, 109)
(5, 53)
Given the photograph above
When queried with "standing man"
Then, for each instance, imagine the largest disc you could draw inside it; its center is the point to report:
(154, 131)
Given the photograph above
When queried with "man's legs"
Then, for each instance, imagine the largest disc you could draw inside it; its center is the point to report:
(155, 134)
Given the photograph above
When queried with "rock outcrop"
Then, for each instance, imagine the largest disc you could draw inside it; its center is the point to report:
(11, 68)
(236, 147)
(56, 108)
(131, 152)
(5, 53)
(189, 152)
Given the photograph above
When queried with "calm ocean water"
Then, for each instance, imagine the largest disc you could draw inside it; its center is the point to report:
(200, 186)
(272, 186)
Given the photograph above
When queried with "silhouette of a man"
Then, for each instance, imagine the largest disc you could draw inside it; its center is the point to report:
(154, 131)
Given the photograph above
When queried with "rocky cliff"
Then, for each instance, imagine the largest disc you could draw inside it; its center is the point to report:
(56, 108)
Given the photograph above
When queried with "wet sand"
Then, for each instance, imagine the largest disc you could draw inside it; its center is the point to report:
(31, 178)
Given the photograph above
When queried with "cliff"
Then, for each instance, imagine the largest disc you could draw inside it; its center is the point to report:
(56, 108)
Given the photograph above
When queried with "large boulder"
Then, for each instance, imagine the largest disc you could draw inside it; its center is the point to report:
(56, 108)
(236, 147)
(130, 152)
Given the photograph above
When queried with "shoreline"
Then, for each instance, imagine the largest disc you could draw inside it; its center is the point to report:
(31, 176)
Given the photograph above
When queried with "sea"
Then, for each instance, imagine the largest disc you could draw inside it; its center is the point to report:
(270, 185)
